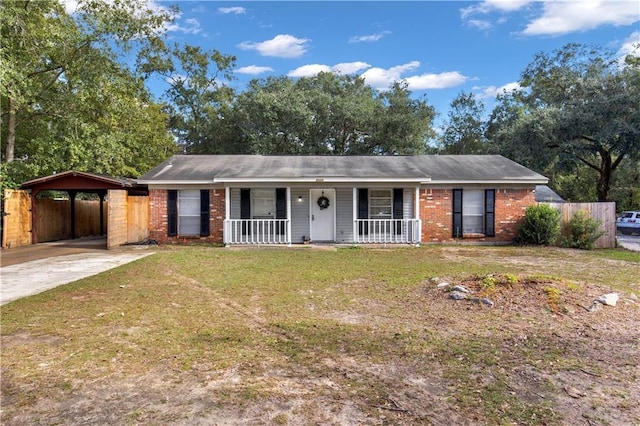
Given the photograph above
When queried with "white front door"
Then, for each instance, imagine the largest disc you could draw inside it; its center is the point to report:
(323, 214)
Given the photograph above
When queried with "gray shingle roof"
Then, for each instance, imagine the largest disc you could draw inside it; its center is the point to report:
(420, 168)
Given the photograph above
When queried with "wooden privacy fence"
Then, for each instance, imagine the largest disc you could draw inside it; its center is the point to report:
(53, 219)
(605, 213)
(16, 221)
(128, 218)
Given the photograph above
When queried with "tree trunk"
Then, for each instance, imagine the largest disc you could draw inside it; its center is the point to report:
(12, 123)
(604, 180)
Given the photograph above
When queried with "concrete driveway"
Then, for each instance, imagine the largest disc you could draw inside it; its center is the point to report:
(30, 270)
(630, 242)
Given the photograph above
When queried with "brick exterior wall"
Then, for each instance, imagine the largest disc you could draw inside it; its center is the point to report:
(158, 220)
(436, 212)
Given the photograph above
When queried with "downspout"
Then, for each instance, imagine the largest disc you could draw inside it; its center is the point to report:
(416, 214)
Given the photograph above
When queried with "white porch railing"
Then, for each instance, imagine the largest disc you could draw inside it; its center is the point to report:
(257, 231)
(388, 231)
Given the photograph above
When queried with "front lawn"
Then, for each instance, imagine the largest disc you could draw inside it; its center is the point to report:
(201, 335)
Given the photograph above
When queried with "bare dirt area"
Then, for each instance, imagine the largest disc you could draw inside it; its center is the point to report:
(346, 348)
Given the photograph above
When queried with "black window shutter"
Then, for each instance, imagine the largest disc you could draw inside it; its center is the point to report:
(363, 209)
(172, 213)
(245, 204)
(457, 213)
(205, 230)
(398, 202)
(489, 212)
(281, 203)
(281, 208)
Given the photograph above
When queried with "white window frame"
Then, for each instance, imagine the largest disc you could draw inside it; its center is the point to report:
(263, 197)
(380, 200)
(186, 212)
(473, 207)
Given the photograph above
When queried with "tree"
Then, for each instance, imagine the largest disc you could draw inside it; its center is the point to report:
(464, 130)
(332, 114)
(65, 95)
(584, 106)
(198, 95)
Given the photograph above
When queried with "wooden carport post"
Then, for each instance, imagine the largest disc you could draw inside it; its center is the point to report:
(72, 199)
(34, 216)
(102, 194)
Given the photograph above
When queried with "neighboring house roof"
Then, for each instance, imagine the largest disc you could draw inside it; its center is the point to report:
(546, 194)
(207, 169)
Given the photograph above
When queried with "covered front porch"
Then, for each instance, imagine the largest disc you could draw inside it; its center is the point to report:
(338, 214)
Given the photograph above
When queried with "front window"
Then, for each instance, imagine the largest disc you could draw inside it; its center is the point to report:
(263, 204)
(380, 206)
(189, 212)
(473, 211)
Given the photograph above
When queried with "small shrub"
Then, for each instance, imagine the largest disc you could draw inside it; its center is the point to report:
(582, 231)
(489, 282)
(511, 279)
(541, 225)
(553, 297)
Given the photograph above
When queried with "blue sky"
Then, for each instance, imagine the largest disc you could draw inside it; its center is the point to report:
(440, 47)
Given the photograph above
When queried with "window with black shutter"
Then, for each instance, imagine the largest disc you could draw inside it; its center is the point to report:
(172, 213)
(205, 230)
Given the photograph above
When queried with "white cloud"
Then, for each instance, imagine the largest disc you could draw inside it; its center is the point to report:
(191, 26)
(490, 92)
(630, 46)
(566, 17)
(381, 78)
(309, 70)
(253, 70)
(350, 67)
(369, 38)
(443, 80)
(281, 46)
(480, 24)
(237, 10)
(494, 5)
(314, 69)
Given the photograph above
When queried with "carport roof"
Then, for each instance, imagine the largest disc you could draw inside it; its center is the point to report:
(78, 181)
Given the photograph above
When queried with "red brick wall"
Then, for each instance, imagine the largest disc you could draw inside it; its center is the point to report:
(436, 207)
(158, 221)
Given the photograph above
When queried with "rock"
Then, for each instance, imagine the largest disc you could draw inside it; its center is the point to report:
(595, 307)
(573, 392)
(633, 297)
(435, 279)
(487, 302)
(443, 285)
(609, 299)
(457, 295)
(461, 289)
(475, 300)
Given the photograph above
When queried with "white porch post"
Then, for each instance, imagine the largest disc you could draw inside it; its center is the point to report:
(227, 215)
(417, 214)
(355, 214)
(289, 215)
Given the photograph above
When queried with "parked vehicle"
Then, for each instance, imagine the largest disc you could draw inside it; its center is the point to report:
(628, 222)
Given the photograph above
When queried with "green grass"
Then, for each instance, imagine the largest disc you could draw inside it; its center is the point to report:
(367, 321)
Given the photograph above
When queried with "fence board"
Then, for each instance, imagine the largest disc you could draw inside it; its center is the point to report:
(16, 224)
(605, 213)
(137, 218)
(53, 221)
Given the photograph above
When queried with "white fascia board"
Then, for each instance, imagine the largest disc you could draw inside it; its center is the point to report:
(317, 180)
(490, 182)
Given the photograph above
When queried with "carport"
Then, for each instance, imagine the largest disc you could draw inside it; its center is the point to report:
(120, 212)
